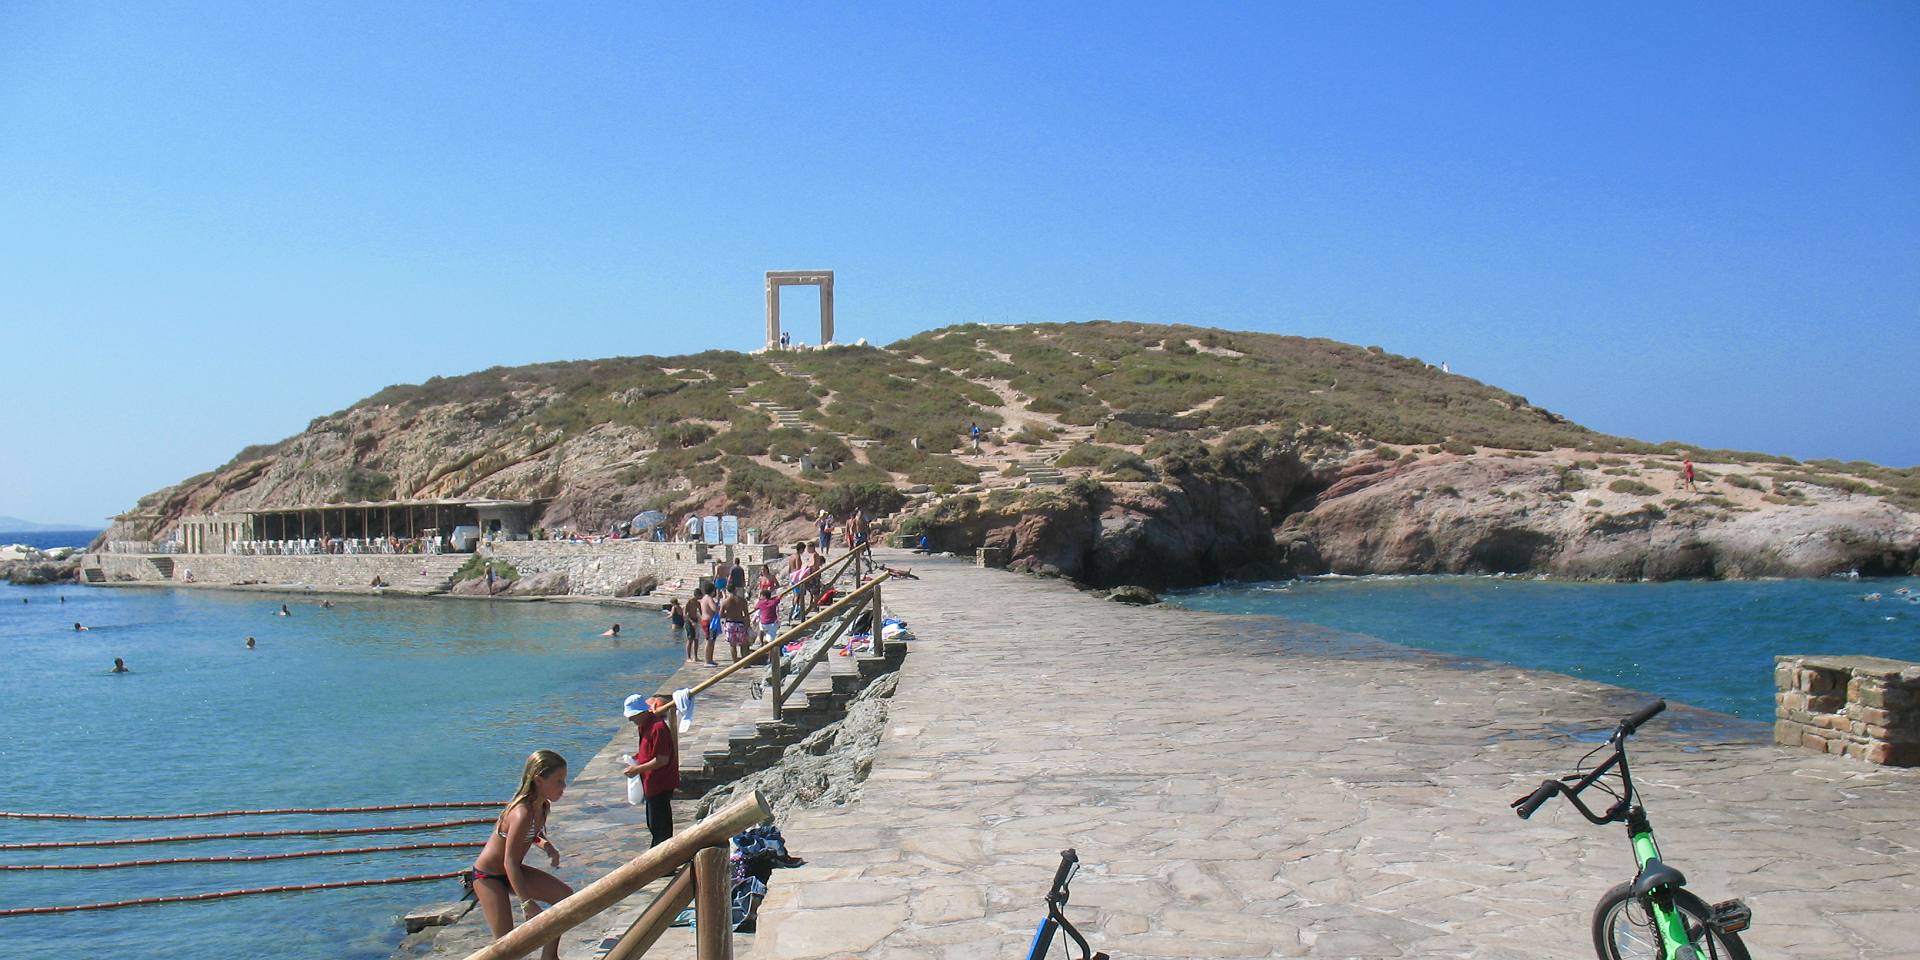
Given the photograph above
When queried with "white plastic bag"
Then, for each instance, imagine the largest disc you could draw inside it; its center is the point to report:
(636, 795)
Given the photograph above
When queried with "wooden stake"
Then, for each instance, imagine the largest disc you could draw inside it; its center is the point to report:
(712, 905)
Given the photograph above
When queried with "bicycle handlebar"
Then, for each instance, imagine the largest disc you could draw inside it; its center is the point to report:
(1572, 784)
(1068, 861)
(1528, 804)
(1648, 712)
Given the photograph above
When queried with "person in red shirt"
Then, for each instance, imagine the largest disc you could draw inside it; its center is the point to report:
(656, 761)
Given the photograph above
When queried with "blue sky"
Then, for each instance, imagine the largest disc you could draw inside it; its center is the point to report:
(1696, 222)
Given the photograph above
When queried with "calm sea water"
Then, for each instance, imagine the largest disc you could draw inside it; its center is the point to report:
(1709, 644)
(375, 701)
(48, 539)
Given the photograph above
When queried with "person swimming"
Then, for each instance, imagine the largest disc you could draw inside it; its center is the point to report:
(119, 666)
(77, 627)
(612, 631)
(284, 612)
(249, 643)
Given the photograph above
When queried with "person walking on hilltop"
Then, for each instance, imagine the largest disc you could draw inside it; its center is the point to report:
(498, 875)
(1686, 474)
(656, 761)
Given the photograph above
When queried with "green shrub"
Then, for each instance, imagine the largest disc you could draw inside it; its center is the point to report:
(1086, 455)
(683, 435)
(476, 569)
(1570, 479)
(878, 499)
(1447, 490)
(1460, 447)
(1386, 453)
(1634, 487)
(360, 483)
(1592, 502)
(1032, 432)
(1119, 432)
(751, 483)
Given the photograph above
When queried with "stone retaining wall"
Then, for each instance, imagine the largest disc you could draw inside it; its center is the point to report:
(611, 569)
(349, 571)
(1864, 707)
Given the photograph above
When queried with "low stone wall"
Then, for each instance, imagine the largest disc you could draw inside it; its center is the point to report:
(1864, 707)
(333, 572)
(611, 569)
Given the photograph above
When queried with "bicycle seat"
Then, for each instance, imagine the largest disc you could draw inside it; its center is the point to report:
(1655, 875)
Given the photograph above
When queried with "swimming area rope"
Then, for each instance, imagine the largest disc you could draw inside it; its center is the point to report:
(246, 858)
(248, 834)
(223, 894)
(210, 814)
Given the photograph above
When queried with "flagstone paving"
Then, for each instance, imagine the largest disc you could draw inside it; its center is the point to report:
(1244, 787)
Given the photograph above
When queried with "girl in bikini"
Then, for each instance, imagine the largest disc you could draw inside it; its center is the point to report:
(498, 874)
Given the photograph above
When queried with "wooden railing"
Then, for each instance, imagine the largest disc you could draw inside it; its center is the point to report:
(847, 609)
(697, 858)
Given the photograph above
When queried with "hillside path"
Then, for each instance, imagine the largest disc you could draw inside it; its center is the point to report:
(1244, 787)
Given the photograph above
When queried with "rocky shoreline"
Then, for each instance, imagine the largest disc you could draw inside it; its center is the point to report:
(1262, 513)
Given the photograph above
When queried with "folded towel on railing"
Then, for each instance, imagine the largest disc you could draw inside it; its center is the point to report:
(683, 702)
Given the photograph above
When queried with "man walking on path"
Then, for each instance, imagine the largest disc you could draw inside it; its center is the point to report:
(656, 761)
(975, 433)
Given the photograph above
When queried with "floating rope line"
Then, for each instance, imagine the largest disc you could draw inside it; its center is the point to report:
(460, 804)
(223, 894)
(248, 858)
(190, 837)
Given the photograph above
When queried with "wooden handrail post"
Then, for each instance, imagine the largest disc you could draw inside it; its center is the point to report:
(655, 920)
(773, 681)
(712, 905)
(627, 878)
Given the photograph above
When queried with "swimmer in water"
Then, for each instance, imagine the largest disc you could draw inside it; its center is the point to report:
(120, 666)
(612, 631)
(77, 627)
(1871, 598)
(284, 611)
(249, 643)
(326, 604)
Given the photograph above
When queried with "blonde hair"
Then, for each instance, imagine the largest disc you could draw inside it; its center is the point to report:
(539, 764)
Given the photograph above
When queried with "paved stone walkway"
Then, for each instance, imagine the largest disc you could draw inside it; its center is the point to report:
(1246, 788)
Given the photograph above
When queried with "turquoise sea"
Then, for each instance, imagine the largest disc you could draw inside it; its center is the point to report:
(375, 701)
(1709, 644)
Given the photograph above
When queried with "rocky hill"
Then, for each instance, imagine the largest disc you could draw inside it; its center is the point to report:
(1114, 452)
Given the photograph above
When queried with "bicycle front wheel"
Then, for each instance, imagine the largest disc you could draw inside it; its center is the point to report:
(1623, 928)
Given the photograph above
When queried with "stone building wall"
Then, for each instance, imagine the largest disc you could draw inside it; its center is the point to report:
(612, 568)
(1865, 707)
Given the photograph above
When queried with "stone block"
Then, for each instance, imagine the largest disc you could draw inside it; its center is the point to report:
(436, 915)
(1787, 733)
(1893, 754)
(1814, 741)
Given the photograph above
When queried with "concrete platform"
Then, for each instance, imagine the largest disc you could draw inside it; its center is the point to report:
(1244, 788)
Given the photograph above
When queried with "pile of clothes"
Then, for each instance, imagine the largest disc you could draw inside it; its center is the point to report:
(755, 854)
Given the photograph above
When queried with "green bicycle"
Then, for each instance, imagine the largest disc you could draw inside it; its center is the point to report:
(1652, 916)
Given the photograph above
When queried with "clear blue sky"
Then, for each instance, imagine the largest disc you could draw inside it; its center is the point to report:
(1695, 222)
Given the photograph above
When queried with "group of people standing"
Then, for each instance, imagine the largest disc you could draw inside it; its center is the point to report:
(722, 606)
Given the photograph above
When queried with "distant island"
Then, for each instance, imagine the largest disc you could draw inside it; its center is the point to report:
(1109, 452)
(17, 525)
